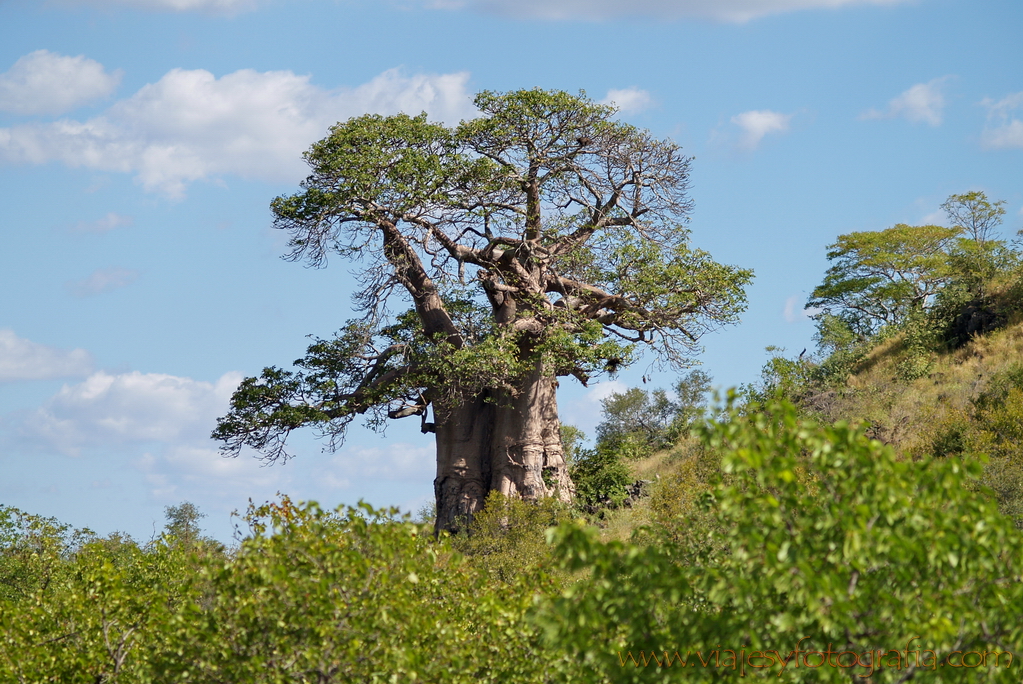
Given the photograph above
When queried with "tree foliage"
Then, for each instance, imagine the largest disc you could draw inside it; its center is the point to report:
(977, 257)
(638, 421)
(83, 609)
(811, 537)
(974, 215)
(353, 595)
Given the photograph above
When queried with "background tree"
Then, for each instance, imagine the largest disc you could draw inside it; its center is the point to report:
(541, 239)
(637, 422)
(183, 522)
(885, 278)
(879, 278)
(974, 215)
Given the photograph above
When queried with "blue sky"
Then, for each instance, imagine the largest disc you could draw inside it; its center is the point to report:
(141, 142)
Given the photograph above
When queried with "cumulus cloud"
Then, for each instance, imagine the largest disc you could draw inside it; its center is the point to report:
(197, 472)
(22, 359)
(103, 225)
(1003, 130)
(758, 123)
(393, 462)
(102, 280)
(794, 311)
(924, 102)
(718, 10)
(161, 424)
(43, 82)
(191, 125)
(157, 423)
(628, 100)
(206, 6)
(130, 408)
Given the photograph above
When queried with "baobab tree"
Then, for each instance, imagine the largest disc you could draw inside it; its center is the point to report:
(542, 239)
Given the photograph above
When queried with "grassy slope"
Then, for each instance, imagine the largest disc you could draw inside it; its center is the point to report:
(908, 415)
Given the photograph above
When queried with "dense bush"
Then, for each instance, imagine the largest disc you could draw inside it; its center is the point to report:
(507, 540)
(769, 530)
(83, 609)
(353, 595)
(601, 477)
(992, 426)
(634, 425)
(829, 541)
(356, 595)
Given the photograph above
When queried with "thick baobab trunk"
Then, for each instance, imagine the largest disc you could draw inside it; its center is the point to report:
(527, 458)
(463, 459)
(508, 442)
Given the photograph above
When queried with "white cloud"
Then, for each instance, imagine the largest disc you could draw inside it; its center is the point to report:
(933, 218)
(600, 391)
(189, 472)
(131, 408)
(43, 82)
(161, 424)
(758, 123)
(628, 100)
(923, 102)
(719, 10)
(22, 359)
(393, 462)
(103, 225)
(191, 125)
(1003, 129)
(207, 6)
(794, 311)
(156, 424)
(102, 280)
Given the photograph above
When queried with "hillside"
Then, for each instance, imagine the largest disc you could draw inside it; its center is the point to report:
(969, 402)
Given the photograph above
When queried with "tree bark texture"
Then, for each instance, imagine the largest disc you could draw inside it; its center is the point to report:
(504, 441)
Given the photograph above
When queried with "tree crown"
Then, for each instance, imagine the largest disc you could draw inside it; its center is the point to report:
(541, 234)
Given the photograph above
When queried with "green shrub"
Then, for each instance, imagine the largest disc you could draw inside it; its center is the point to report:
(507, 539)
(355, 595)
(102, 615)
(601, 477)
(680, 520)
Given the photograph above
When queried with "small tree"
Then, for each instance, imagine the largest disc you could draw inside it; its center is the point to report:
(977, 257)
(974, 215)
(637, 421)
(540, 240)
(183, 523)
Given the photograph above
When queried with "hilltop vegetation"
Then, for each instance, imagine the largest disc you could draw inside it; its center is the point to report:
(932, 369)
